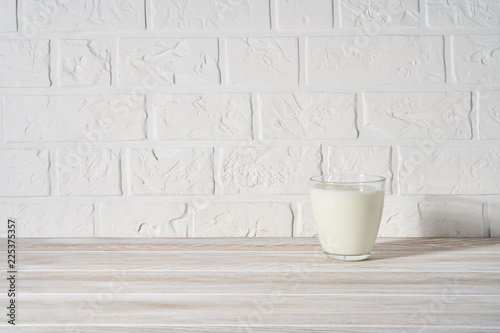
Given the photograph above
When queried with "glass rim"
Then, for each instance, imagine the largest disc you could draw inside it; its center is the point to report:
(322, 179)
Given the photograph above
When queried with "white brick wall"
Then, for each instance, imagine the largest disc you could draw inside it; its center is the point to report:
(375, 60)
(152, 118)
(476, 59)
(24, 172)
(85, 63)
(232, 219)
(449, 170)
(168, 61)
(369, 160)
(50, 220)
(216, 116)
(455, 14)
(299, 116)
(8, 22)
(363, 13)
(74, 118)
(171, 171)
(299, 15)
(87, 172)
(267, 170)
(417, 115)
(75, 15)
(181, 15)
(143, 220)
(25, 63)
(257, 61)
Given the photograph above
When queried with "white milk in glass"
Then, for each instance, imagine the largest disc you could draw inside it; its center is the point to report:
(347, 217)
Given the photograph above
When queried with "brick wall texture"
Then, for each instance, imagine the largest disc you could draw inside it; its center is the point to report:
(205, 118)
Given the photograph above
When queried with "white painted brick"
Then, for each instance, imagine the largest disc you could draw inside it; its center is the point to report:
(373, 15)
(401, 219)
(143, 220)
(494, 219)
(361, 160)
(85, 63)
(2, 119)
(117, 117)
(307, 116)
(460, 14)
(234, 219)
(25, 63)
(437, 218)
(246, 144)
(304, 224)
(417, 115)
(489, 115)
(449, 170)
(178, 15)
(78, 15)
(221, 116)
(262, 61)
(451, 218)
(88, 171)
(24, 172)
(312, 14)
(378, 60)
(168, 61)
(475, 59)
(171, 171)
(268, 170)
(50, 219)
(8, 15)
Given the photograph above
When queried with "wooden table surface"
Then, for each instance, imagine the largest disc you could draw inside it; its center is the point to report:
(254, 285)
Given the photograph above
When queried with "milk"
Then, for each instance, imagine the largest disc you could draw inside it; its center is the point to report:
(347, 217)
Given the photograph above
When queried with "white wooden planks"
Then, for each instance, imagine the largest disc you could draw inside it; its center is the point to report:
(409, 244)
(272, 261)
(255, 285)
(254, 328)
(247, 282)
(259, 309)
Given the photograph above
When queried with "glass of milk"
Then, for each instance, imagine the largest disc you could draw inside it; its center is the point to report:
(347, 210)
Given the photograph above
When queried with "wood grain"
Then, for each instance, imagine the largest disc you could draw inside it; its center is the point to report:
(255, 285)
(254, 329)
(296, 282)
(259, 309)
(248, 244)
(272, 261)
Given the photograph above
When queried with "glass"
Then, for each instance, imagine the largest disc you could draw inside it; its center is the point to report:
(347, 210)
